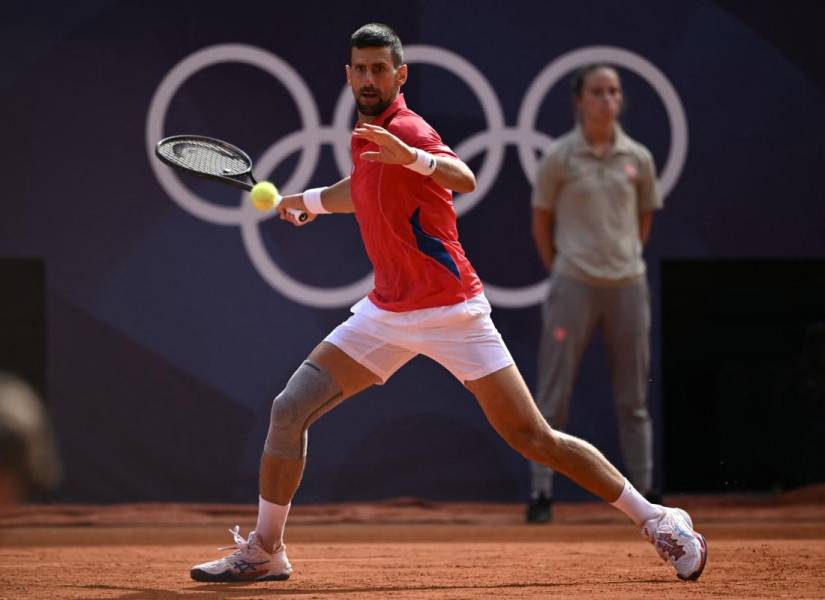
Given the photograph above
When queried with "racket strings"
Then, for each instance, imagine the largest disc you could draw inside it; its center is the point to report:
(204, 157)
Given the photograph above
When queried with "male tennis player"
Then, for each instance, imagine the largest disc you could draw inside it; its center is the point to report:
(427, 300)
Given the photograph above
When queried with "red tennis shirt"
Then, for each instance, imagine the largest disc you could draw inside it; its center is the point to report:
(408, 223)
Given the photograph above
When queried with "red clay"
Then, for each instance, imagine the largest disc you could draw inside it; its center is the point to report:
(759, 548)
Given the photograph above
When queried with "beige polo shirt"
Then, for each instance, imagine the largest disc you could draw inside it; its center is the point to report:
(595, 203)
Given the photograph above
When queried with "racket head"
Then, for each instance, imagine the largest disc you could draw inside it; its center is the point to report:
(207, 157)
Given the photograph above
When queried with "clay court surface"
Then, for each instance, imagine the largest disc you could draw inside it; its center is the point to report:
(759, 547)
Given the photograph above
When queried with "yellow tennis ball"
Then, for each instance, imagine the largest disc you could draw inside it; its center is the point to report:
(264, 196)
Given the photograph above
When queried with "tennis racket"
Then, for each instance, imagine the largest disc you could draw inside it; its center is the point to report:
(213, 159)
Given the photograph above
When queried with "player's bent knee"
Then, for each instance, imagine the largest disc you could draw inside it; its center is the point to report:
(308, 394)
(540, 445)
(529, 442)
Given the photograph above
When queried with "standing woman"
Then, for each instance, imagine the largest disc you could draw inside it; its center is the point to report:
(593, 203)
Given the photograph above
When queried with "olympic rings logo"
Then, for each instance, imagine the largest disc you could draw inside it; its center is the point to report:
(313, 135)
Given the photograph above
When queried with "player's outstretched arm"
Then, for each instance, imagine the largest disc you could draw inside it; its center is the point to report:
(333, 199)
(449, 172)
(453, 174)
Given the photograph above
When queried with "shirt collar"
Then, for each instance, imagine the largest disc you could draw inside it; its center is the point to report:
(621, 143)
(394, 107)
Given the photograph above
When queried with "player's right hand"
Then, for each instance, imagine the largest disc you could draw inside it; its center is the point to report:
(294, 201)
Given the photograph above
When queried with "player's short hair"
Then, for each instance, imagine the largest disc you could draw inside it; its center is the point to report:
(378, 35)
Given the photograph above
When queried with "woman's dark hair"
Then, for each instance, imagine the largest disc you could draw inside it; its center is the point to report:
(378, 35)
(581, 75)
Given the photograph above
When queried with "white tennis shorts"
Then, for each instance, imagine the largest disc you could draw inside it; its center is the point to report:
(460, 337)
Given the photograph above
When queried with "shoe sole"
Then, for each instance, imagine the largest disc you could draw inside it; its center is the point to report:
(695, 575)
(229, 578)
(546, 518)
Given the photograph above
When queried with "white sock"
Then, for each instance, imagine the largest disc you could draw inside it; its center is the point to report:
(271, 523)
(634, 505)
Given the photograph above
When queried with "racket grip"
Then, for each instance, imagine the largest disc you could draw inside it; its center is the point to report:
(300, 215)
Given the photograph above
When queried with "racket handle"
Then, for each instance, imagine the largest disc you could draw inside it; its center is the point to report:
(300, 215)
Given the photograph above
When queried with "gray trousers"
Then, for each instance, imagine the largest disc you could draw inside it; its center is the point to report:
(570, 315)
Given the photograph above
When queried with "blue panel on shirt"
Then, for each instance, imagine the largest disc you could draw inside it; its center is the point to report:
(432, 246)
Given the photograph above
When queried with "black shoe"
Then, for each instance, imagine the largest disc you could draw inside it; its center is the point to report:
(540, 509)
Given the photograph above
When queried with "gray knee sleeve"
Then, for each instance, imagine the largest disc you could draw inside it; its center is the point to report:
(308, 394)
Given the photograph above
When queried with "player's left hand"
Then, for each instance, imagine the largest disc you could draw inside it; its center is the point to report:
(391, 150)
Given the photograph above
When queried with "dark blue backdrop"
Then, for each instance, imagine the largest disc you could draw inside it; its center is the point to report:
(165, 343)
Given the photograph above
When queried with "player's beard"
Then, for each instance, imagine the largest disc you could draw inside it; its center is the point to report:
(372, 110)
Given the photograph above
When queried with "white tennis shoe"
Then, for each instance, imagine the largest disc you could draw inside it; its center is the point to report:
(249, 562)
(672, 534)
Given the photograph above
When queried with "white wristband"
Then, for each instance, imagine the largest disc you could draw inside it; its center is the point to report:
(312, 200)
(424, 163)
